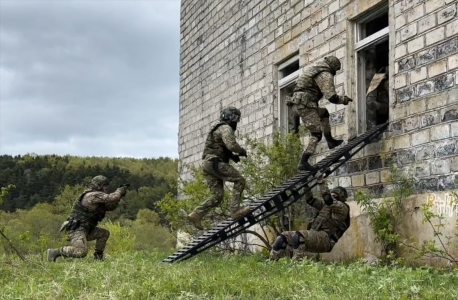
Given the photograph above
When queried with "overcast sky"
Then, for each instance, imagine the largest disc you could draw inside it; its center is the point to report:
(89, 78)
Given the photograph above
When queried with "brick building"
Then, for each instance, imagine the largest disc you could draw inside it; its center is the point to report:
(249, 53)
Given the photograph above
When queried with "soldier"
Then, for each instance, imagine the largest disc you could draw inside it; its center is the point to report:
(378, 99)
(316, 82)
(332, 219)
(89, 209)
(219, 148)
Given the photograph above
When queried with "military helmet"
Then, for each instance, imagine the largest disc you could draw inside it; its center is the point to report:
(99, 181)
(230, 114)
(341, 192)
(333, 62)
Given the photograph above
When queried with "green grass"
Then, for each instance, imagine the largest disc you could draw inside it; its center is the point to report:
(140, 275)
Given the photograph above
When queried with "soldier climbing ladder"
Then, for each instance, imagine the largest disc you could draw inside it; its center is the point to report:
(278, 199)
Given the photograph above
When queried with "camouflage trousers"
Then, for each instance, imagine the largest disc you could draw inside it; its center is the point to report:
(313, 242)
(79, 238)
(215, 181)
(316, 120)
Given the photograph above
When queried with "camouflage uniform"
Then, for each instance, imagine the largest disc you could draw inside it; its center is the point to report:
(316, 82)
(219, 148)
(81, 226)
(377, 98)
(332, 219)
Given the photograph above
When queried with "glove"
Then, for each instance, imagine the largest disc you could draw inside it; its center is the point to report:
(320, 179)
(346, 100)
(243, 152)
(235, 158)
(123, 190)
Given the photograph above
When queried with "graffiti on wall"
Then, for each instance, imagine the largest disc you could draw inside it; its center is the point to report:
(446, 205)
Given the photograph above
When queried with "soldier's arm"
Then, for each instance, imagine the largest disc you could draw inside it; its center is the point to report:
(339, 211)
(228, 137)
(312, 201)
(325, 82)
(109, 199)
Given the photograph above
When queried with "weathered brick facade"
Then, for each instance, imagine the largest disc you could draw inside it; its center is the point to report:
(231, 50)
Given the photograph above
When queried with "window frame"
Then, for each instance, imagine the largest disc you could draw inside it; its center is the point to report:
(362, 43)
(284, 82)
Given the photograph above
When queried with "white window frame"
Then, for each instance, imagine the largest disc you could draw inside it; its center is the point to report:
(361, 44)
(282, 83)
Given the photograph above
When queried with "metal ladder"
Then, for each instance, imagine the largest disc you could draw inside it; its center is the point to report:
(278, 199)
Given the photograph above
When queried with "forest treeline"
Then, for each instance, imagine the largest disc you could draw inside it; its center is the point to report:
(42, 178)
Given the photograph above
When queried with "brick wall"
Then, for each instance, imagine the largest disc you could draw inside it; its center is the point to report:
(229, 55)
(425, 113)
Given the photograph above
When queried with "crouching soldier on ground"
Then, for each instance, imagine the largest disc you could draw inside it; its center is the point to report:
(219, 148)
(89, 209)
(328, 226)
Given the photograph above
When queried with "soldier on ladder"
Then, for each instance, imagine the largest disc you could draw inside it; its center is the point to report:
(328, 226)
(219, 148)
(316, 82)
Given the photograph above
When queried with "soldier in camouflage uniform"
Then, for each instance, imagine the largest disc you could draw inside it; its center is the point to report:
(219, 148)
(316, 82)
(89, 209)
(378, 99)
(332, 219)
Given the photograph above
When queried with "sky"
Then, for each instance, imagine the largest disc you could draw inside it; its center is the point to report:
(89, 78)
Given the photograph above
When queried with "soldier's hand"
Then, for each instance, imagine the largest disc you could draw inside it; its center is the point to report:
(123, 191)
(243, 152)
(320, 179)
(347, 100)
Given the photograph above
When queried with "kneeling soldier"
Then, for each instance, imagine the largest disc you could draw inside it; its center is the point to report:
(89, 209)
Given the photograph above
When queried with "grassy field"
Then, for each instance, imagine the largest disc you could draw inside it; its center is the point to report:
(141, 276)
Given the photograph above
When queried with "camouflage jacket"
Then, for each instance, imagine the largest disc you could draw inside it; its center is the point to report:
(221, 143)
(333, 219)
(317, 82)
(90, 207)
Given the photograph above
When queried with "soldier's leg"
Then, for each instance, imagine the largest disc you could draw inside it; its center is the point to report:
(304, 241)
(282, 246)
(311, 121)
(228, 173)
(100, 235)
(371, 110)
(216, 187)
(326, 127)
(78, 239)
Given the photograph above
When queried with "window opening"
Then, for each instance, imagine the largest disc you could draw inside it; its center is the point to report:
(372, 55)
(288, 72)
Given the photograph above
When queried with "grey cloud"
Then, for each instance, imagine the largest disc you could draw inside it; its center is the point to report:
(74, 74)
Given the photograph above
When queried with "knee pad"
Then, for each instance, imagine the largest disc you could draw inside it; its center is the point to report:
(81, 253)
(280, 243)
(296, 239)
(318, 135)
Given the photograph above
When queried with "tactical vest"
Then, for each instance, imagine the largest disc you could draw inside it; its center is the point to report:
(336, 227)
(306, 82)
(215, 145)
(86, 218)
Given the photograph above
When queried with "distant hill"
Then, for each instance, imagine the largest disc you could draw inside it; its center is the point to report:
(40, 178)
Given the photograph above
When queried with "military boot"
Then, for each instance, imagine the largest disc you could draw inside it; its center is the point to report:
(332, 143)
(195, 219)
(239, 212)
(304, 165)
(98, 255)
(53, 254)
